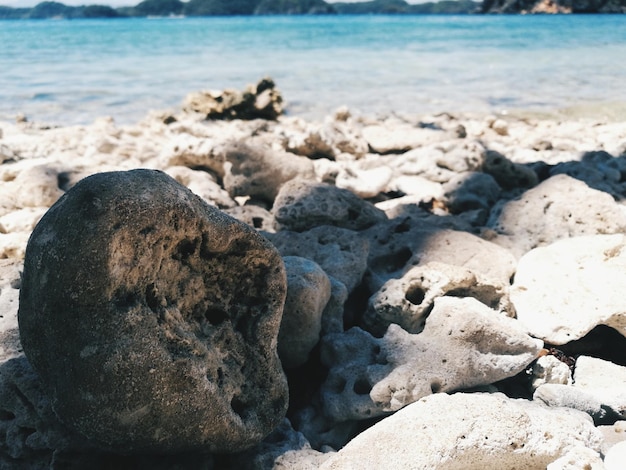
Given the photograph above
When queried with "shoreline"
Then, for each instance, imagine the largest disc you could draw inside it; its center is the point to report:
(486, 191)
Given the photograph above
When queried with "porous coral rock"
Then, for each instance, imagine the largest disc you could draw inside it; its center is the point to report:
(408, 300)
(559, 207)
(340, 252)
(148, 313)
(563, 290)
(464, 344)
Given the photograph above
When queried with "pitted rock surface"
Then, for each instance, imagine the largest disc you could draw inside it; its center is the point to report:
(256, 170)
(560, 207)
(340, 252)
(464, 344)
(152, 318)
(408, 301)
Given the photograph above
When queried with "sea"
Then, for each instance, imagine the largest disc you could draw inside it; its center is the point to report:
(65, 72)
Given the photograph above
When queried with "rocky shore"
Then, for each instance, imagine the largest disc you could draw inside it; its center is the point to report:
(428, 292)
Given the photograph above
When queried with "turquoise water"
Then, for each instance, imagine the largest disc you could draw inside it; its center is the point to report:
(73, 71)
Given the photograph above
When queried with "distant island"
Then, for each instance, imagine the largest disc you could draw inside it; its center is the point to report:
(174, 8)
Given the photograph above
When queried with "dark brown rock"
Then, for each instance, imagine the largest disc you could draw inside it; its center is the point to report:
(152, 318)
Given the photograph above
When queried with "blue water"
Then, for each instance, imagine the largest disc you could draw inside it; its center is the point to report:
(73, 71)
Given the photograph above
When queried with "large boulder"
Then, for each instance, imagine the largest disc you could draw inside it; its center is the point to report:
(152, 318)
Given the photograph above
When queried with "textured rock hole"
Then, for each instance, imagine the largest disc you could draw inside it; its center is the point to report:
(152, 298)
(459, 293)
(398, 259)
(435, 386)
(402, 227)
(63, 181)
(124, 300)
(352, 214)
(415, 294)
(146, 231)
(220, 377)
(6, 415)
(362, 387)
(240, 407)
(257, 222)
(216, 316)
(185, 249)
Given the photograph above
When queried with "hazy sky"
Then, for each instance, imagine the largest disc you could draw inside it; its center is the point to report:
(114, 3)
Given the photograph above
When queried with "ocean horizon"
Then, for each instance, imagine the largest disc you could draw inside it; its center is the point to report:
(64, 72)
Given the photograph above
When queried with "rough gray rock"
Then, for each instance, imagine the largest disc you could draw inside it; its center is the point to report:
(475, 432)
(340, 252)
(148, 314)
(470, 191)
(302, 205)
(29, 429)
(560, 207)
(507, 174)
(332, 316)
(464, 344)
(252, 169)
(308, 292)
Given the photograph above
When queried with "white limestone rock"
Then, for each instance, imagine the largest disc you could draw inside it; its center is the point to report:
(397, 137)
(604, 380)
(578, 458)
(21, 220)
(549, 370)
(408, 300)
(615, 457)
(203, 184)
(469, 432)
(558, 395)
(188, 150)
(560, 207)
(564, 290)
(464, 344)
(365, 183)
(10, 281)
